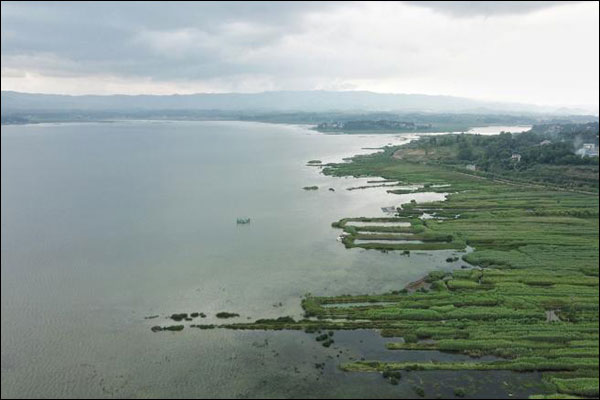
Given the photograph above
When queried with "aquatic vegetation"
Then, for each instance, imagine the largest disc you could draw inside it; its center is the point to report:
(179, 317)
(225, 314)
(393, 377)
(419, 391)
(392, 374)
(376, 186)
(275, 321)
(416, 236)
(522, 251)
(577, 386)
(172, 328)
(184, 316)
(322, 337)
(207, 326)
(520, 365)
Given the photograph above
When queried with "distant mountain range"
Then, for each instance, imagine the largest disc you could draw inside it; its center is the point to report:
(282, 101)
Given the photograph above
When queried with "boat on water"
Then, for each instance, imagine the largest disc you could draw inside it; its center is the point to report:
(243, 221)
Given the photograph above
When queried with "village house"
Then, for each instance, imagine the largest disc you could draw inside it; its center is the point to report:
(589, 150)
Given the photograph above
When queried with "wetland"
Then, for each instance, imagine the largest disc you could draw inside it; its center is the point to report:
(102, 282)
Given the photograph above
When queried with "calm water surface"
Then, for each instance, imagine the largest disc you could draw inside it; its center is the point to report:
(106, 223)
(496, 129)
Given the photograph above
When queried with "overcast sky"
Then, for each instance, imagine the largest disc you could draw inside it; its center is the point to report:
(529, 52)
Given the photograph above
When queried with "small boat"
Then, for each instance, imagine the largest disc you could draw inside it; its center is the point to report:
(243, 221)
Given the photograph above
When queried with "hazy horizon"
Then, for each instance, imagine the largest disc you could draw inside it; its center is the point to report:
(311, 101)
(575, 107)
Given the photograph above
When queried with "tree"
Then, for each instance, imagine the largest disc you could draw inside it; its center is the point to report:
(465, 152)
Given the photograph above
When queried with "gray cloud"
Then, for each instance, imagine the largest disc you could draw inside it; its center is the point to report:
(487, 8)
(141, 38)
(427, 47)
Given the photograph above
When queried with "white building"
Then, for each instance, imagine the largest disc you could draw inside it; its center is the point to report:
(589, 150)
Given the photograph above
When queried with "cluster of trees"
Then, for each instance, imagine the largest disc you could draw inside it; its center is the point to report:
(541, 145)
(371, 125)
(587, 132)
(556, 153)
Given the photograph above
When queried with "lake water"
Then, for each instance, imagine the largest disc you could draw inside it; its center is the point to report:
(496, 129)
(106, 223)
